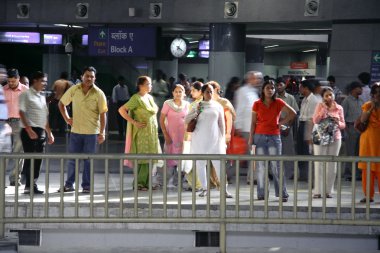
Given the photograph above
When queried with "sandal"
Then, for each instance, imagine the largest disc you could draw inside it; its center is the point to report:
(203, 193)
(329, 196)
(317, 196)
(364, 200)
(228, 195)
(142, 188)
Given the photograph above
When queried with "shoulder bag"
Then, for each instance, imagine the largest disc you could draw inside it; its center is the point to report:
(192, 124)
(359, 125)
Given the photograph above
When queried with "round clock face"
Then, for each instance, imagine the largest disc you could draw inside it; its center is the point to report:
(178, 47)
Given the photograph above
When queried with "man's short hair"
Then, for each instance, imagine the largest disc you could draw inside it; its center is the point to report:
(331, 79)
(89, 68)
(354, 85)
(364, 77)
(310, 84)
(280, 80)
(13, 73)
(38, 75)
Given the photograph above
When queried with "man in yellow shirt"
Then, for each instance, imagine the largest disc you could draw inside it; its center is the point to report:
(87, 123)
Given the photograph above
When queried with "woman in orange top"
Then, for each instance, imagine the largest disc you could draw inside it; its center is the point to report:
(369, 141)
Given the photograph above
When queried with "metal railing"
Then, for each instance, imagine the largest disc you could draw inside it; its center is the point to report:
(121, 202)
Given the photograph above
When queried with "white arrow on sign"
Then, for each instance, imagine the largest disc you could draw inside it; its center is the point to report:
(102, 34)
(377, 57)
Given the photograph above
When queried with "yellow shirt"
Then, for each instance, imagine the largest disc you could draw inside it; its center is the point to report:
(86, 108)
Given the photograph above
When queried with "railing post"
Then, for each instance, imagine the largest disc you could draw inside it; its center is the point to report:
(2, 196)
(222, 226)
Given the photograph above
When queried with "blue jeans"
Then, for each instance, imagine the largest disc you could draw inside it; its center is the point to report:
(269, 145)
(80, 143)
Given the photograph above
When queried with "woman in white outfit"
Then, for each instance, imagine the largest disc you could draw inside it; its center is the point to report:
(209, 134)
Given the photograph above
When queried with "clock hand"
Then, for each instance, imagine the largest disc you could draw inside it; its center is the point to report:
(179, 48)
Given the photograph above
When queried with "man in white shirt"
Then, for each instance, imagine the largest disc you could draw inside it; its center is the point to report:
(120, 96)
(308, 105)
(243, 99)
(35, 130)
(365, 78)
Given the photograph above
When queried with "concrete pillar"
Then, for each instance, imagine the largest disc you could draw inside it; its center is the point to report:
(254, 56)
(54, 65)
(227, 52)
(351, 50)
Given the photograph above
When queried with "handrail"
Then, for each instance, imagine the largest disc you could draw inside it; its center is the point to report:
(147, 210)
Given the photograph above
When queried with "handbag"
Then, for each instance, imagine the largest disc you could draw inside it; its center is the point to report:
(316, 137)
(360, 126)
(191, 125)
(237, 146)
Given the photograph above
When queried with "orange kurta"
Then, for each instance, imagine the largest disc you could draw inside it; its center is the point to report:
(370, 138)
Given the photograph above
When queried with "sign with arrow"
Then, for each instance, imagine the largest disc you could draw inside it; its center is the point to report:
(119, 41)
(375, 66)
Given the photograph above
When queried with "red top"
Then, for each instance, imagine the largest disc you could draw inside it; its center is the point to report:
(268, 117)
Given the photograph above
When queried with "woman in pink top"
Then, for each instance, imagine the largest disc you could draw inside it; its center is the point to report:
(172, 122)
(330, 119)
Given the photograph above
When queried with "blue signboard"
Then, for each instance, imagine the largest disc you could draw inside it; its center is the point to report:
(122, 41)
(375, 66)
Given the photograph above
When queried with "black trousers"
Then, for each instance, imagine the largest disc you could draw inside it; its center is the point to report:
(302, 149)
(33, 146)
(121, 122)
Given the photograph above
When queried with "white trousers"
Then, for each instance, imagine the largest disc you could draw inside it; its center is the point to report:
(202, 174)
(331, 149)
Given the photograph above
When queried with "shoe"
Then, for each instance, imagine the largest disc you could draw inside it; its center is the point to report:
(142, 188)
(35, 190)
(67, 189)
(203, 193)
(86, 190)
(364, 200)
(284, 199)
(348, 179)
(14, 183)
(254, 182)
(228, 195)
(260, 198)
(317, 196)
(189, 189)
(329, 196)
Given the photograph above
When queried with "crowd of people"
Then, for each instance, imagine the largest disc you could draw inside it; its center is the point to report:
(283, 116)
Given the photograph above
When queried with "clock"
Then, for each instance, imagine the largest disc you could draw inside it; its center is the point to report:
(178, 47)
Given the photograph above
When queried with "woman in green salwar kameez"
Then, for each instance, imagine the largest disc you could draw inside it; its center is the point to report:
(142, 128)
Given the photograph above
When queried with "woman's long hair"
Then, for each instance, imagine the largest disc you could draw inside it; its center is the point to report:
(266, 83)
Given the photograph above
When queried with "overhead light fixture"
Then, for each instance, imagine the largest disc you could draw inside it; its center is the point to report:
(71, 26)
(193, 41)
(23, 10)
(231, 9)
(82, 10)
(311, 8)
(271, 46)
(310, 50)
(155, 10)
(131, 12)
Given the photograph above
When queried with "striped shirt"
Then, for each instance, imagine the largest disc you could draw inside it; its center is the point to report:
(33, 105)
